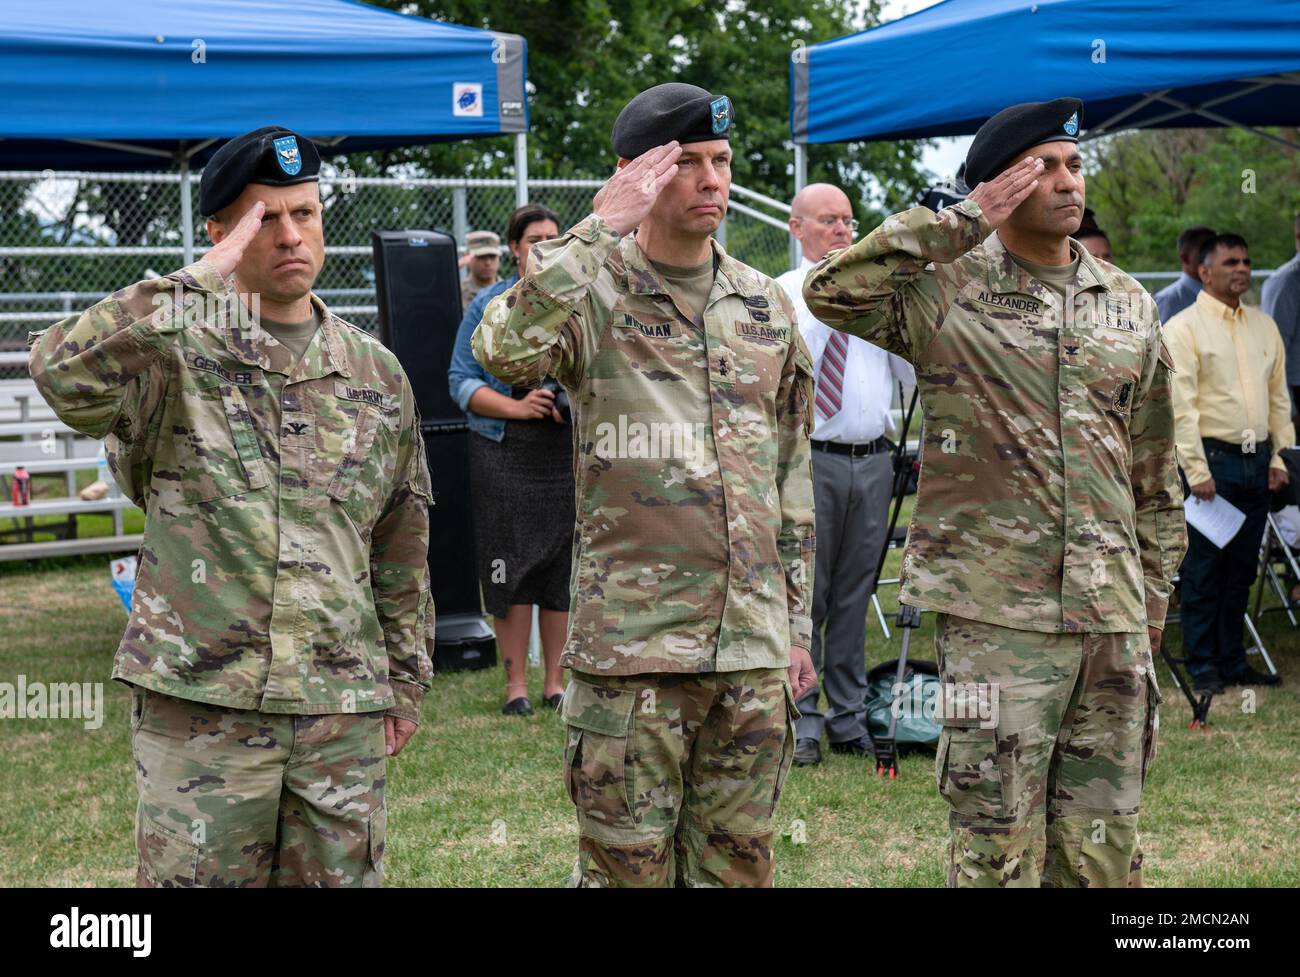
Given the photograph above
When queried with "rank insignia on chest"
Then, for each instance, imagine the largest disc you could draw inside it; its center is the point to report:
(655, 330)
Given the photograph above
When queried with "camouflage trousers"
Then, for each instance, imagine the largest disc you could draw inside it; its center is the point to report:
(1048, 793)
(236, 797)
(676, 777)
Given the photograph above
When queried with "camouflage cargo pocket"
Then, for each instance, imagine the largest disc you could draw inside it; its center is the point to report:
(787, 748)
(217, 453)
(360, 483)
(598, 722)
(377, 833)
(166, 859)
(971, 773)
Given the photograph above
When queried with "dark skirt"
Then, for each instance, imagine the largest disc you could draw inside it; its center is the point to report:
(524, 515)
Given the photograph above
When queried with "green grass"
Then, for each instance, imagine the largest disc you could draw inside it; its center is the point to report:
(477, 798)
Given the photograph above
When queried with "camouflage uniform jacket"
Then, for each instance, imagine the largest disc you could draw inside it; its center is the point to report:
(694, 541)
(1049, 497)
(286, 506)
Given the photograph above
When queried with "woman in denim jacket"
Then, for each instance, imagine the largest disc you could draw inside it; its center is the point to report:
(521, 480)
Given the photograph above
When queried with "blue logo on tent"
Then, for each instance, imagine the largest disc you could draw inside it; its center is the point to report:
(720, 111)
(467, 99)
(1072, 125)
(287, 155)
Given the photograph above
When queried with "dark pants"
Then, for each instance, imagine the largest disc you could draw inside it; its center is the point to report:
(851, 497)
(1216, 582)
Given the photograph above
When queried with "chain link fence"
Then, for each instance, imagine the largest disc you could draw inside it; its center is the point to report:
(69, 238)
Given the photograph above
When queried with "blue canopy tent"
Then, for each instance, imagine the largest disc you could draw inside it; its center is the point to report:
(160, 84)
(1135, 63)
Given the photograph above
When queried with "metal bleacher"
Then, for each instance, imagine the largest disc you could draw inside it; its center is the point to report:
(31, 437)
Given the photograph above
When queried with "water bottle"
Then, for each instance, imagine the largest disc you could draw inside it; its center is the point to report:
(22, 487)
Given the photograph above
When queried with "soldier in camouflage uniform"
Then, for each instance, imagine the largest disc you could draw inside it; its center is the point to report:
(279, 638)
(1048, 523)
(693, 553)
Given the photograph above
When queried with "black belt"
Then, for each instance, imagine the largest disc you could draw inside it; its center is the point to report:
(1266, 448)
(879, 446)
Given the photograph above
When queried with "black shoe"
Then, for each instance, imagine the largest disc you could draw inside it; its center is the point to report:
(517, 707)
(1248, 676)
(1212, 685)
(859, 747)
(555, 701)
(807, 753)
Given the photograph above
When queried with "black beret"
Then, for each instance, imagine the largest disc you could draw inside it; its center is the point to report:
(273, 155)
(1013, 130)
(661, 114)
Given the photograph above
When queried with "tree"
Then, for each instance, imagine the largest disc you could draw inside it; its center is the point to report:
(587, 58)
(1148, 185)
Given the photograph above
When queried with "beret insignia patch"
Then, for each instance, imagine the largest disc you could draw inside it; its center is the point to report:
(287, 155)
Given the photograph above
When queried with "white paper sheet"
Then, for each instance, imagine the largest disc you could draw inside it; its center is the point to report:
(1218, 520)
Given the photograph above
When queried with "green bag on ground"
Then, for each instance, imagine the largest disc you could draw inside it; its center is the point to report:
(916, 723)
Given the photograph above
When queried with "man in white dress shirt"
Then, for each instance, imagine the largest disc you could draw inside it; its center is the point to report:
(852, 484)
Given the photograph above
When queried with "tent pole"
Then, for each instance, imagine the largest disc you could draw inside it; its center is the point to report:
(521, 169)
(187, 211)
(800, 181)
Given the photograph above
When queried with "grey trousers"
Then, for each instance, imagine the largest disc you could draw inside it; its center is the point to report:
(851, 496)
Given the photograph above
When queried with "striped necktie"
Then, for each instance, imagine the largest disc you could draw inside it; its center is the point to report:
(830, 379)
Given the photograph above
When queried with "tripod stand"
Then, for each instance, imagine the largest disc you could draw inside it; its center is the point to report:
(908, 617)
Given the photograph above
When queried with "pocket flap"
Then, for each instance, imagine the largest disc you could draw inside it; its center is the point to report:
(598, 708)
(962, 722)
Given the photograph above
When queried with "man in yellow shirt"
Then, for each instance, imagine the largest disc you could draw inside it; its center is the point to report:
(1232, 412)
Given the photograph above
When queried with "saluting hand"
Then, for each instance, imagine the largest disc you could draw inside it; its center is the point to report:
(998, 197)
(627, 196)
(225, 255)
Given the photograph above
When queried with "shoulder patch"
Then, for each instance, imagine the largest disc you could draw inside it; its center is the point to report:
(1165, 358)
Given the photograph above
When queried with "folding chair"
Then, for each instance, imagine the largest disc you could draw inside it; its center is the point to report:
(1274, 550)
